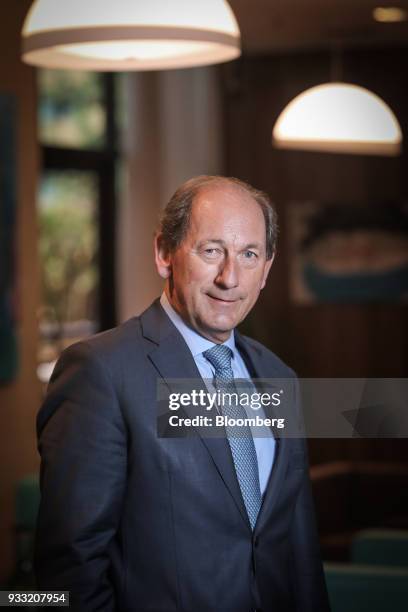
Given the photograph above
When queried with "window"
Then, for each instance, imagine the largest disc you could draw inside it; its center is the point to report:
(72, 109)
(76, 208)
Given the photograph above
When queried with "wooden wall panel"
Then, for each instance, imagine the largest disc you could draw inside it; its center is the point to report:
(321, 340)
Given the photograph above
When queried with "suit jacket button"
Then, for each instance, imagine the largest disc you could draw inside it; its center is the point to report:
(256, 542)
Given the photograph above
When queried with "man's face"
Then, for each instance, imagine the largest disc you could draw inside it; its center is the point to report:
(214, 277)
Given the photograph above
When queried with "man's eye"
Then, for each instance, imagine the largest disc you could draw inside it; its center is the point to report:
(211, 252)
(250, 255)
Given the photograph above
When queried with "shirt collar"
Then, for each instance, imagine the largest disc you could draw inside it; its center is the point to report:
(195, 342)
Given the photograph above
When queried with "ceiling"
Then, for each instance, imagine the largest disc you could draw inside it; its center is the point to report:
(278, 25)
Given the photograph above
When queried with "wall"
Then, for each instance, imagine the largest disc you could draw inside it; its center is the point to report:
(19, 401)
(320, 340)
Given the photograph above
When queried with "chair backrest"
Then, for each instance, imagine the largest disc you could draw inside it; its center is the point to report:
(27, 502)
(380, 547)
(362, 588)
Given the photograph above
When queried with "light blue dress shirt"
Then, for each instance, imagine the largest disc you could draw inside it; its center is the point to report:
(265, 445)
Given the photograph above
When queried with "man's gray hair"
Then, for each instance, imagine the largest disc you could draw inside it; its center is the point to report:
(175, 220)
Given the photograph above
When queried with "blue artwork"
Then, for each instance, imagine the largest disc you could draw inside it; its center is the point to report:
(349, 253)
(8, 339)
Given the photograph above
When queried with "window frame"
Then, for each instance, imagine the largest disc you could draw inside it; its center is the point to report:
(103, 164)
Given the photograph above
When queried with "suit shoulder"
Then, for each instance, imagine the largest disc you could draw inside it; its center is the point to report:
(115, 339)
(273, 361)
(110, 347)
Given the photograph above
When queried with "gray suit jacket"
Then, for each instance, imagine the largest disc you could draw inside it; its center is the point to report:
(132, 522)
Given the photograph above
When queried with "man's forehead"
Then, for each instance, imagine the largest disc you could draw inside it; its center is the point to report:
(210, 196)
(226, 213)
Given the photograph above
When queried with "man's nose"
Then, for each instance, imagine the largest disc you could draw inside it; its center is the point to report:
(228, 274)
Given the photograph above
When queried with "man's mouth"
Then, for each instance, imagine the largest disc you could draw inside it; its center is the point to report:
(222, 300)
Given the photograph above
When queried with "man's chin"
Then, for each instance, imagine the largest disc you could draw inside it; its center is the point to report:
(219, 328)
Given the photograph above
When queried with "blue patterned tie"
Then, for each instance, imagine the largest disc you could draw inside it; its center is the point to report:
(239, 438)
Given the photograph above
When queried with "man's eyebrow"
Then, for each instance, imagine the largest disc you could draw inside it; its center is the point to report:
(251, 245)
(207, 240)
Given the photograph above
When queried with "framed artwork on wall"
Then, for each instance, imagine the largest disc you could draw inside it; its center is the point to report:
(348, 253)
(8, 199)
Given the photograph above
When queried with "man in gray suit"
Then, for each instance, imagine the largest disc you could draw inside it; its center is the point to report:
(130, 521)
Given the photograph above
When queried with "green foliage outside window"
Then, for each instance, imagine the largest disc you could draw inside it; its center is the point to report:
(69, 246)
(71, 109)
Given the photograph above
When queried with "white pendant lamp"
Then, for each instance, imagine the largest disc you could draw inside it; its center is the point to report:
(112, 35)
(339, 118)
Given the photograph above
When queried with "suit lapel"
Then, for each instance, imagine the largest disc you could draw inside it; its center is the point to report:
(173, 360)
(258, 368)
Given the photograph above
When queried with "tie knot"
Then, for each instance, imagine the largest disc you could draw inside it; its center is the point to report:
(219, 356)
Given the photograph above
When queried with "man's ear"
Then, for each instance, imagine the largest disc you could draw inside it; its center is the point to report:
(267, 267)
(162, 257)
